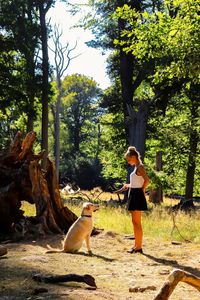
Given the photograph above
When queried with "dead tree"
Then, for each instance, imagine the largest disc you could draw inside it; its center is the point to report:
(62, 59)
(173, 279)
(23, 179)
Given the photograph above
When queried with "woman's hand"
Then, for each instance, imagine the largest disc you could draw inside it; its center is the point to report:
(122, 189)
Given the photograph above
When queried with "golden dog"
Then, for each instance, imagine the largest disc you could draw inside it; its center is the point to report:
(79, 231)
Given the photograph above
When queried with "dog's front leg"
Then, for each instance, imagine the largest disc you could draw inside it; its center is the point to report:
(87, 240)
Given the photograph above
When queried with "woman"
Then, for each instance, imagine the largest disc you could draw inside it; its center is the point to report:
(136, 196)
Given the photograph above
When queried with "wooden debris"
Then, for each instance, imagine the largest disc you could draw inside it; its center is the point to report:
(173, 279)
(142, 289)
(88, 279)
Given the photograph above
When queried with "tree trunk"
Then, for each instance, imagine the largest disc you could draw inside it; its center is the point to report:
(45, 82)
(31, 97)
(156, 195)
(22, 179)
(137, 124)
(191, 169)
(194, 138)
(126, 75)
(76, 137)
(62, 60)
(57, 129)
(31, 58)
(187, 203)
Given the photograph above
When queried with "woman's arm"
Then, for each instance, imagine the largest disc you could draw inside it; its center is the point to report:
(142, 172)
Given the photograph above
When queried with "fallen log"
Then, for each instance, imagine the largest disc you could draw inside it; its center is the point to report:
(88, 279)
(173, 279)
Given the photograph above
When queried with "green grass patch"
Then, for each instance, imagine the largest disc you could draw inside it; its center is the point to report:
(158, 222)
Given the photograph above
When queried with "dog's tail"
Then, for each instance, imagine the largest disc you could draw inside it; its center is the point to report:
(53, 250)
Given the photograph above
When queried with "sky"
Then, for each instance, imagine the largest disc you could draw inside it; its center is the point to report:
(90, 62)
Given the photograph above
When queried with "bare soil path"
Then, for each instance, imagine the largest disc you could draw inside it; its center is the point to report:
(118, 274)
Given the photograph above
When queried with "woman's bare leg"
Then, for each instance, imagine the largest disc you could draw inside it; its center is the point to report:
(137, 227)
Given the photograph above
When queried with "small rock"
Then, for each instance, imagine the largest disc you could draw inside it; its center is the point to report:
(39, 290)
(142, 289)
(176, 243)
(3, 250)
(164, 272)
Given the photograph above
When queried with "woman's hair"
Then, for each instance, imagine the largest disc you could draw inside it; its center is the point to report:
(132, 151)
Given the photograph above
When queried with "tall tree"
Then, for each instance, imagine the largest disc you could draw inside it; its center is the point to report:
(81, 95)
(19, 22)
(80, 130)
(43, 7)
(106, 29)
(62, 59)
(169, 38)
(194, 138)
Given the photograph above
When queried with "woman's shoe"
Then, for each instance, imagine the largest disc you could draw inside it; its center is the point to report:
(133, 250)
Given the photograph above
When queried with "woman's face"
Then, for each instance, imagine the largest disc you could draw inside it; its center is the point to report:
(132, 160)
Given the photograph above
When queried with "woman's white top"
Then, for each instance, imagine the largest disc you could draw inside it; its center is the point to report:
(136, 181)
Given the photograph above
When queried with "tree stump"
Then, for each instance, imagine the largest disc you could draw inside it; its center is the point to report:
(22, 179)
(173, 279)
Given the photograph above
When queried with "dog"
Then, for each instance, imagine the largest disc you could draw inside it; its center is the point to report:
(79, 231)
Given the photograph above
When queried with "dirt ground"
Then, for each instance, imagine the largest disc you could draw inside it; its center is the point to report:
(116, 272)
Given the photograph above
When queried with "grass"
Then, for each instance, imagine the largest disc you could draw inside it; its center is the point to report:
(162, 223)
(158, 222)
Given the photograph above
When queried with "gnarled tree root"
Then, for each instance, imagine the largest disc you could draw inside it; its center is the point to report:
(88, 279)
(172, 281)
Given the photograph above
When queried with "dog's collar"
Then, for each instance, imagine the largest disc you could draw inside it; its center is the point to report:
(86, 216)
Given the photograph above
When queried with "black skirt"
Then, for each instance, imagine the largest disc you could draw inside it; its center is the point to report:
(136, 200)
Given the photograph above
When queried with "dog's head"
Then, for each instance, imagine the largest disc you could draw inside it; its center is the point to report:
(89, 208)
